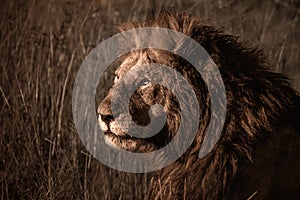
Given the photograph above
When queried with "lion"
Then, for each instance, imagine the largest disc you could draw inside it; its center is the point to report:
(258, 153)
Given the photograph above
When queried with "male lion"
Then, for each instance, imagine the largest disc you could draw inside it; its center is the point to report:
(257, 156)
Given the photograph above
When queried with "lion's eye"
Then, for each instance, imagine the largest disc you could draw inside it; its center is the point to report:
(146, 82)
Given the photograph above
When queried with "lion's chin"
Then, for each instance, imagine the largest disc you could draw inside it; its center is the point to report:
(127, 142)
(120, 142)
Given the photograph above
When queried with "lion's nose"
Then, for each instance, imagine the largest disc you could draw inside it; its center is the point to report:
(106, 118)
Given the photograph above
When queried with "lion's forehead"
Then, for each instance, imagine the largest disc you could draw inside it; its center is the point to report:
(133, 60)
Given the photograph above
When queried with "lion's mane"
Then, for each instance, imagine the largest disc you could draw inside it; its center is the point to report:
(262, 109)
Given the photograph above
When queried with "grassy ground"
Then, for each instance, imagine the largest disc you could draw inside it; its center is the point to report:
(41, 48)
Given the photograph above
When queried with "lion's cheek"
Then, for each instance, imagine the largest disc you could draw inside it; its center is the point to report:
(147, 94)
(116, 130)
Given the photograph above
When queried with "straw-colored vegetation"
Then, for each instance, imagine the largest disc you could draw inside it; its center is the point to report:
(42, 45)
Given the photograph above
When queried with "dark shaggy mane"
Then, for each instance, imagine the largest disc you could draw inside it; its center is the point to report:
(259, 102)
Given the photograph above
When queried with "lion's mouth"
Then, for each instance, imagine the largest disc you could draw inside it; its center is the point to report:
(116, 138)
(127, 142)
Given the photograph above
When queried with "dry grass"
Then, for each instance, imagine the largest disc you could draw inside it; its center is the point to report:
(41, 48)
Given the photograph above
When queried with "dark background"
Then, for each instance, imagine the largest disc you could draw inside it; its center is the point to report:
(43, 43)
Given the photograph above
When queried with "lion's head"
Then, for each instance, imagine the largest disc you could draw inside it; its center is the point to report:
(146, 96)
(258, 101)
